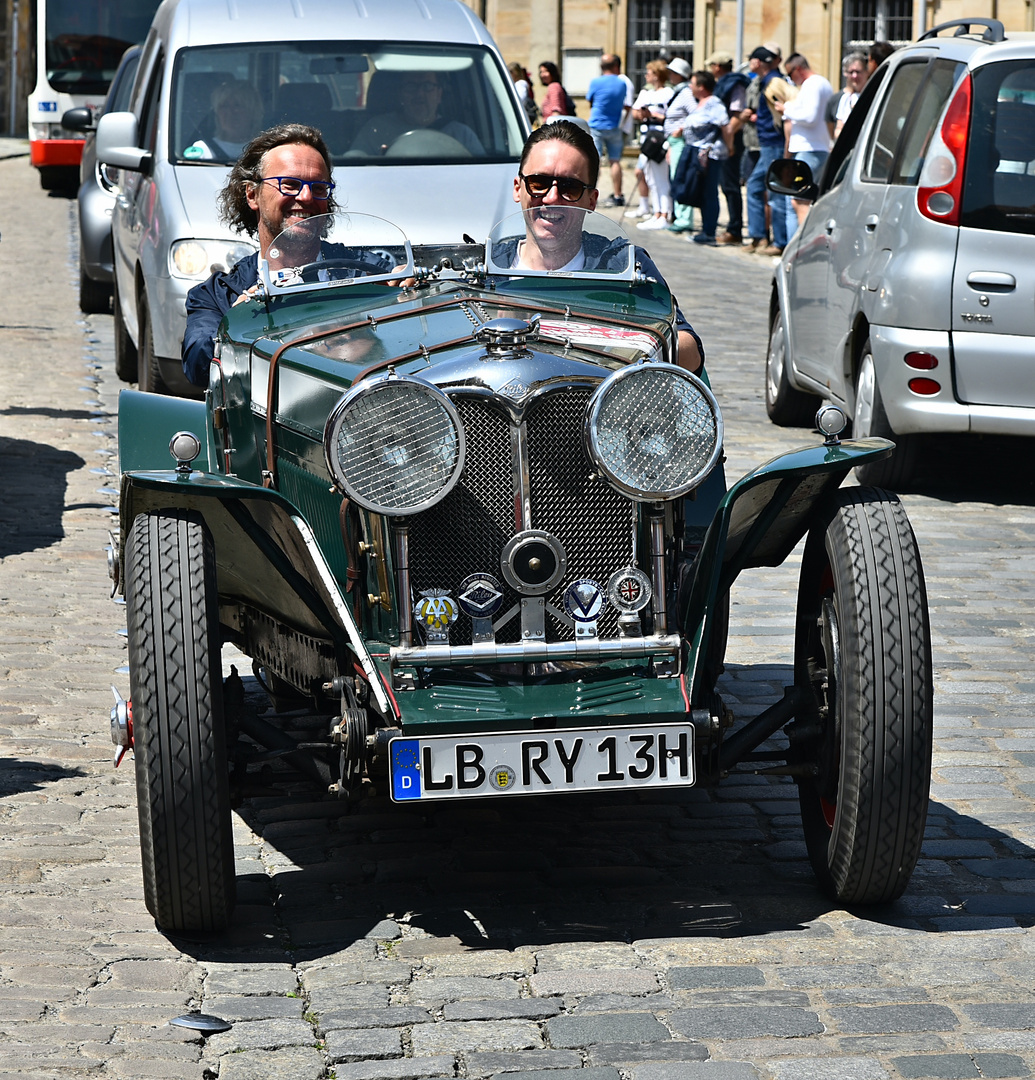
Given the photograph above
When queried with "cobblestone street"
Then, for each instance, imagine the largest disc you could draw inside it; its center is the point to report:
(669, 936)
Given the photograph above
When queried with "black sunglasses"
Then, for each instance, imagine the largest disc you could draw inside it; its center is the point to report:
(538, 186)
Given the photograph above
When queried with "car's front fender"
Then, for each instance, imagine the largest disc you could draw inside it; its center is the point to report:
(758, 522)
(267, 557)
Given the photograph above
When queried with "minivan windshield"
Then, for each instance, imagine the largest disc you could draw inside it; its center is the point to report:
(999, 187)
(376, 103)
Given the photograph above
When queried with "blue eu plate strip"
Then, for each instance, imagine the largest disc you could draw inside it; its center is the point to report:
(405, 769)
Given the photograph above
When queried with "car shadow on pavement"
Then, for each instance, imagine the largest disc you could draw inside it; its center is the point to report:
(18, 776)
(975, 468)
(624, 867)
(34, 494)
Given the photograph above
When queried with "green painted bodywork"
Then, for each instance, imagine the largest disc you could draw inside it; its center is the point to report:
(262, 562)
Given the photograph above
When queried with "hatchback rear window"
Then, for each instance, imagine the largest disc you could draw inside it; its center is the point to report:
(376, 103)
(999, 183)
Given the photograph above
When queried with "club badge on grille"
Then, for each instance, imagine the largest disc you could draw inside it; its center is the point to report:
(436, 611)
(629, 589)
(480, 598)
(584, 601)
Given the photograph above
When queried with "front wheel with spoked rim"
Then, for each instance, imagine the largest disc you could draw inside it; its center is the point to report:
(863, 655)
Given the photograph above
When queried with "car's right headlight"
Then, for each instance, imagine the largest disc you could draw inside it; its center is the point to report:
(197, 259)
(395, 444)
(654, 430)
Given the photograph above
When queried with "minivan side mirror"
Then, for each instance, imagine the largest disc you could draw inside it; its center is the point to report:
(80, 119)
(788, 176)
(117, 143)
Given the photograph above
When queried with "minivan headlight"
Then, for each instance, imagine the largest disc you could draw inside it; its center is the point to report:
(197, 259)
(395, 444)
(654, 430)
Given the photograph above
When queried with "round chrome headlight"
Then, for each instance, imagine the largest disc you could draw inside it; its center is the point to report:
(654, 431)
(395, 445)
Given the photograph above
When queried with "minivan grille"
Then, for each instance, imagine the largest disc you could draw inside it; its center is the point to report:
(467, 531)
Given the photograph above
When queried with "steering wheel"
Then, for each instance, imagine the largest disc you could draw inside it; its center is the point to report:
(312, 272)
(427, 142)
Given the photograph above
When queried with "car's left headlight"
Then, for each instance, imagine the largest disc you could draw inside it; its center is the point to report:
(395, 444)
(197, 259)
(654, 430)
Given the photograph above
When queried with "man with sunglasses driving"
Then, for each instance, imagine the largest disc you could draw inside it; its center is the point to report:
(559, 167)
(282, 177)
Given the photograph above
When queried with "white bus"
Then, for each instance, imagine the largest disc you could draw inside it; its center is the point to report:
(78, 47)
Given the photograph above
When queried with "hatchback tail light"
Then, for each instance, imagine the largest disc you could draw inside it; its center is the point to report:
(940, 188)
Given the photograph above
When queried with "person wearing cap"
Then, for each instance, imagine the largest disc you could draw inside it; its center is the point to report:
(731, 89)
(769, 127)
(679, 108)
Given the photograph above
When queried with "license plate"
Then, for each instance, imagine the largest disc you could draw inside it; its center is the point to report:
(542, 762)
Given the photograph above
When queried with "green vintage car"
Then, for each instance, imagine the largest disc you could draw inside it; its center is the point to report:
(474, 517)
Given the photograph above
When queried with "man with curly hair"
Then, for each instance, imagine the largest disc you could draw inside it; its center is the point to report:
(270, 187)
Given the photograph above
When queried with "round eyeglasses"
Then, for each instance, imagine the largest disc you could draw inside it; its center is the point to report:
(292, 185)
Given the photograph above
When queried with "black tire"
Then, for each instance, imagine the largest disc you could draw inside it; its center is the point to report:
(149, 374)
(786, 406)
(179, 738)
(125, 350)
(863, 651)
(63, 178)
(870, 419)
(94, 296)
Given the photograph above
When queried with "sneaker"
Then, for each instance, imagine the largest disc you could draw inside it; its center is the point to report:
(639, 212)
(703, 238)
(728, 238)
(772, 249)
(654, 223)
(615, 200)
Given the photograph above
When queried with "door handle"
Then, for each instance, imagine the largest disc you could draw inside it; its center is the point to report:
(830, 226)
(871, 222)
(991, 279)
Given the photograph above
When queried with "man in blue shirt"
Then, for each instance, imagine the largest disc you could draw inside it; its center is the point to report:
(771, 143)
(607, 96)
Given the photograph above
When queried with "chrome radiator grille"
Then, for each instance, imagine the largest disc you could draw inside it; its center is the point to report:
(466, 532)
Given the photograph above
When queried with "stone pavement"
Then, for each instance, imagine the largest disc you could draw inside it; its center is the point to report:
(667, 937)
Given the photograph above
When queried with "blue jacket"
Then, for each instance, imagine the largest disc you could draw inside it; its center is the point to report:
(207, 303)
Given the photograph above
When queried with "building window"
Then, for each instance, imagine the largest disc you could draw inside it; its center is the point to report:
(867, 21)
(658, 28)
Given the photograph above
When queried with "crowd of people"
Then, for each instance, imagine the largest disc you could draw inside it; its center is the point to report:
(737, 121)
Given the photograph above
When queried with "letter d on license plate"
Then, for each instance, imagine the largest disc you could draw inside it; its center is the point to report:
(541, 762)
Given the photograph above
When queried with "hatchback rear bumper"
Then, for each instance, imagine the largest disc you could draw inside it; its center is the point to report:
(910, 412)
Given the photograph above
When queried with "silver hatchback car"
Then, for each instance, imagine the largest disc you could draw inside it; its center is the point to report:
(908, 294)
(212, 76)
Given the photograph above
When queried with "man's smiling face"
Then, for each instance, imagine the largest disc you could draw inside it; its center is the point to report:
(554, 229)
(276, 212)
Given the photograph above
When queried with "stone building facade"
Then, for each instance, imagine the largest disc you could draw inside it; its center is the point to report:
(573, 33)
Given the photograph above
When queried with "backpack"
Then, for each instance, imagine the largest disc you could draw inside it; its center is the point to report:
(569, 103)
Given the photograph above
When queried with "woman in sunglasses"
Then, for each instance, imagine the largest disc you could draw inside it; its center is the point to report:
(559, 168)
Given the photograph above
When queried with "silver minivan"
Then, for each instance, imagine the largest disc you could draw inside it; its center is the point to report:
(214, 73)
(908, 294)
